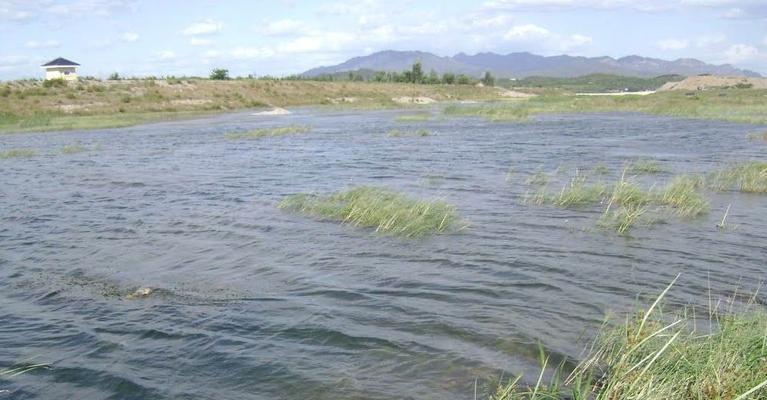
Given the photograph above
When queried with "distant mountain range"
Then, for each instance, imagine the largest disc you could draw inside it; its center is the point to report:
(521, 65)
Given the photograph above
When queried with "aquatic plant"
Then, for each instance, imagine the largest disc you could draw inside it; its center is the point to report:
(579, 193)
(416, 133)
(269, 132)
(600, 169)
(757, 136)
(385, 210)
(645, 167)
(73, 148)
(658, 354)
(16, 153)
(622, 218)
(682, 195)
(413, 118)
(748, 177)
(540, 178)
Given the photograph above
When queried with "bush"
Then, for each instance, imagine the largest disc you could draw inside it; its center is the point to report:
(219, 74)
(50, 83)
(114, 76)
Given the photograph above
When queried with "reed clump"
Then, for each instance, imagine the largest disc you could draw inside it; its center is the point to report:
(757, 136)
(269, 132)
(665, 355)
(73, 148)
(645, 167)
(415, 133)
(386, 211)
(683, 196)
(413, 118)
(747, 177)
(578, 192)
(17, 153)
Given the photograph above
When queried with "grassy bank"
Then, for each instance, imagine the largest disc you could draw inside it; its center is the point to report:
(661, 354)
(735, 105)
(29, 106)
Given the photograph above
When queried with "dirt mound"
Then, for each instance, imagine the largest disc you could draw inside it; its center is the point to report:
(704, 82)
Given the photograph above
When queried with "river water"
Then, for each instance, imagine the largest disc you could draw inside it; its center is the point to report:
(254, 303)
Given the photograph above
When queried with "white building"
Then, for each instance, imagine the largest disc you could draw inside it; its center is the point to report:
(61, 68)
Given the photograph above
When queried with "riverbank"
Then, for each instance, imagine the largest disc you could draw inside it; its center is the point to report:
(89, 104)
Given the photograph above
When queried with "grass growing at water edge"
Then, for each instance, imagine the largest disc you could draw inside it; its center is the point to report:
(748, 177)
(17, 153)
(387, 211)
(645, 167)
(269, 132)
(416, 133)
(413, 118)
(661, 355)
(73, 148)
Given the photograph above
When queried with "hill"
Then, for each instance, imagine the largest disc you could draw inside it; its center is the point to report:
(521, 65)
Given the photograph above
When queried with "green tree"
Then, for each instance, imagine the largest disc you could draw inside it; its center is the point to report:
(488, 79)
(433, 78)
(219, 74)
(448, 78)
(463, 80)
(416, 73)
(114, 76)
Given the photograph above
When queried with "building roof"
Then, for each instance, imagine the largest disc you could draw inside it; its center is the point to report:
(60, 62)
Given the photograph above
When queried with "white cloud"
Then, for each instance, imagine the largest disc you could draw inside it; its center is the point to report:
(674, 44)
(48, 44)
(764, 41)
(165, 55)
(204, 27)
(200, 42)
(739, 53)
(707, 41)
(284, 27)
(734, 13)
(8, 62)
(527, 32)
(539, 38)
(251, 53)
(130, 37)
(319, 41)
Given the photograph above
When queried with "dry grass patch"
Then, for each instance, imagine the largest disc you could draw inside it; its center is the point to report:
(401, 133)
(17, 153)
(269, 132)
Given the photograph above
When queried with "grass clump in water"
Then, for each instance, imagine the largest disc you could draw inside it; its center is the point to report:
(17, 153)
(756, 136)
(645, 167)
(659, 355)
(387, 211)
(748, 177)
(73, 148)
(413, 118)
(579, 193)
(269, 132)
(683, 196)
(416, 133)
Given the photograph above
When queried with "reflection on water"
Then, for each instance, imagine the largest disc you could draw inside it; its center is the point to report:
(250, 302)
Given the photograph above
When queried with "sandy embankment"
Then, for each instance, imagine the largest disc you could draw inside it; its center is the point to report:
(704, 82)
(642, 93)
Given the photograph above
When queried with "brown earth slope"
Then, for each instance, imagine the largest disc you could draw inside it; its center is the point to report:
(704, 82)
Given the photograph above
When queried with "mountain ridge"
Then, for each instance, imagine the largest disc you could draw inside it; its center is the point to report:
(526, 64)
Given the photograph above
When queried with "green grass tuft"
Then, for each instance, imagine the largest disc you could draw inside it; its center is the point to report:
(578, 193)
(683, 197)
(645, 167)
(269, 132)
(413, 118)
(747, 177)
(73, 148)
(400, 133)
(662, 355)
(387, 211)
(17, 153)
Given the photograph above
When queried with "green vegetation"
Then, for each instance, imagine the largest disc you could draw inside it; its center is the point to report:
(387, 211)
(683, 195)
(413, 118)
(73, 148)
(665, 355)
(269, 132)
(747, 106)
(754, 136)
(401, 133)
(645, 167)
(219, 74)
(594, 83)
(627, 203)
(16, 153)
(87, 104)
(747, 177)
(54, 83)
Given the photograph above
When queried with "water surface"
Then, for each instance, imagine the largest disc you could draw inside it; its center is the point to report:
(254, 303)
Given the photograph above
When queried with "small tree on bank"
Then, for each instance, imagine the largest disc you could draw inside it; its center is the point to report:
(219, 74)
(488, 79)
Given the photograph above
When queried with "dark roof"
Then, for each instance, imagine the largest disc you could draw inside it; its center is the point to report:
(59, 61)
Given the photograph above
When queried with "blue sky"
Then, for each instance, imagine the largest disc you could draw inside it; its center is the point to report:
(280, 37)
